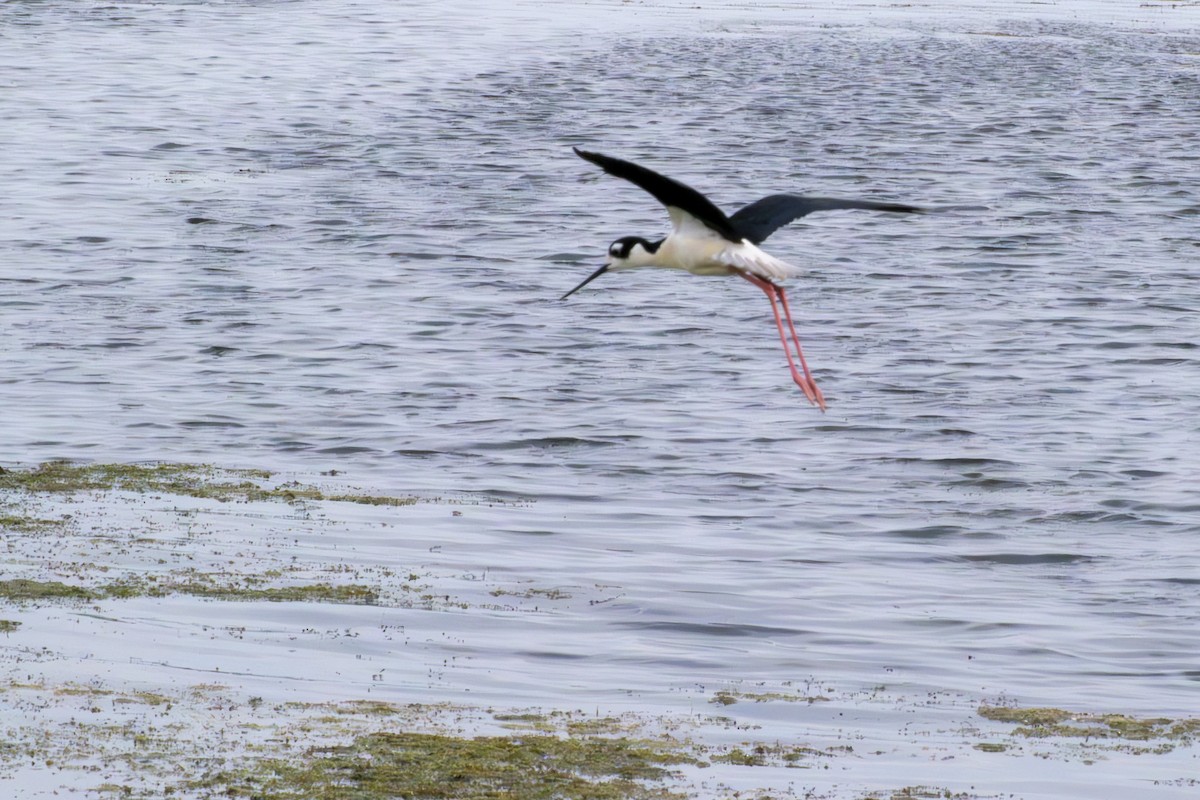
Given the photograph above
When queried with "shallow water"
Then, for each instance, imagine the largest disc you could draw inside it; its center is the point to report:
(313, 236)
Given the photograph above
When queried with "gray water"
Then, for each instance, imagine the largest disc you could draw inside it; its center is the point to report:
(311, 236)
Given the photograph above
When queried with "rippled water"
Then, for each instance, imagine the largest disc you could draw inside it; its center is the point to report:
(304, 236)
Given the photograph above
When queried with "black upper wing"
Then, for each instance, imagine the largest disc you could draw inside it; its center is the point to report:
(670, 193)
(763, 217)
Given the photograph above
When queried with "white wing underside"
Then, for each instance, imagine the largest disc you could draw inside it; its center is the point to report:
(688, 227)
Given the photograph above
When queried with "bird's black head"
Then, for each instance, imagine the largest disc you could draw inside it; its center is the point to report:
(620, 250)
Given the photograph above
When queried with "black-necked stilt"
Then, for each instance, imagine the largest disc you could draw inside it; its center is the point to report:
(704, 241)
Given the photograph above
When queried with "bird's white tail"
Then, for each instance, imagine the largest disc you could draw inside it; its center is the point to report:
(750, 258)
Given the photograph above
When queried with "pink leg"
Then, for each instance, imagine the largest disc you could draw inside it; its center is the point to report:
(805, 381)
(787, 312)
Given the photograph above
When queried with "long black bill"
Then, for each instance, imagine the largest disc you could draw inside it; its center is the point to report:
(586, 281)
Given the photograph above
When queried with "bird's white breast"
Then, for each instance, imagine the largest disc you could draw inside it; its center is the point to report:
(699, 255)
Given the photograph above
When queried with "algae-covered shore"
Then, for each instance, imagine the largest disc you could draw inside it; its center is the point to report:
(184, 630)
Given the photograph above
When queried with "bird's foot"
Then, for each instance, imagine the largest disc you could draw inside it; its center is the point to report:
(811, 390)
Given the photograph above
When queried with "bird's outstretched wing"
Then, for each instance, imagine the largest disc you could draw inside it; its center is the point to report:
(763, 217)
(677, 197)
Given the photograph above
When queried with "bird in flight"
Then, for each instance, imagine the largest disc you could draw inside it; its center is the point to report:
(704, 241)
